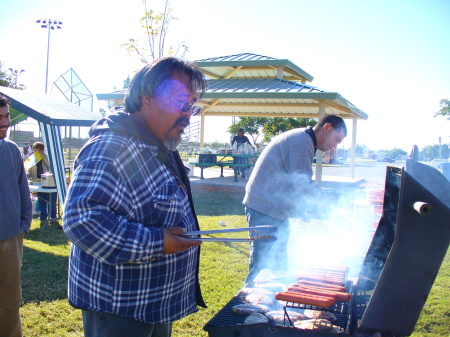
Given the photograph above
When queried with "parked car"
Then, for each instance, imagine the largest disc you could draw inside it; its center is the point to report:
(386, 160)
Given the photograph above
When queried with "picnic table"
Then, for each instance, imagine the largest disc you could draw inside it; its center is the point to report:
(222, 160)
(37, 188)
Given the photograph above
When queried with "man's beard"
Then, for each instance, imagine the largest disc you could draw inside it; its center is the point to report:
(171, 143)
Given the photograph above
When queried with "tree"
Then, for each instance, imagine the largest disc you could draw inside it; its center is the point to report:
(445, 109)
(395, 152)
(156, 26)
(7, 80)
(360, 149)
(276, 125)
(251, 125)
(431, 152)
(268, 127)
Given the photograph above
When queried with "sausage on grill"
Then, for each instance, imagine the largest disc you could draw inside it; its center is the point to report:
(318, 301)
(322, 285)
(339, 296)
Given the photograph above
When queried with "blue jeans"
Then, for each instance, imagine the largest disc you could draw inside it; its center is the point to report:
(241, 169)
(103, 324)
(47, 204)
(271, 255)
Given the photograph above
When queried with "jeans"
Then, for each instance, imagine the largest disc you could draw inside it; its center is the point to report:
(10, 291)
(271, 255)
(47, 202)
(241, 169)
(103, 324)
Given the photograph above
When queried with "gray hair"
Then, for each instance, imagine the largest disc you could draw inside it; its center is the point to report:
(154, 80)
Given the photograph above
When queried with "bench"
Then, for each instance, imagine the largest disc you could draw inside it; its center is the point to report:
(221, 165)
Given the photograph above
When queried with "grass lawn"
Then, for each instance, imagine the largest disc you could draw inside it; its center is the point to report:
(46, 312)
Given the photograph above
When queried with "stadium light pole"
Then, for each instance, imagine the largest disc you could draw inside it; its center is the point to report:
(50, 25)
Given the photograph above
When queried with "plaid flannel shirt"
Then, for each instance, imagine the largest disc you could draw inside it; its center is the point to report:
(120, 199)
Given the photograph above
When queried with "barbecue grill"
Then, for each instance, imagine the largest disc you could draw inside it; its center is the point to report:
(398, 271)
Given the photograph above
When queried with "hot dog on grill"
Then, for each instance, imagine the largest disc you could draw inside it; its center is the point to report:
(320, 280)
(322, 285)
(317, 301)
(340, 276)
(340, 279)
(339, 296)
(337, 289)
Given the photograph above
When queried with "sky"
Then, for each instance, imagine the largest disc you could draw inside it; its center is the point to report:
(390, 58)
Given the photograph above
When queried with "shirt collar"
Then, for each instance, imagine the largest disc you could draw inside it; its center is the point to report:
(311, 133)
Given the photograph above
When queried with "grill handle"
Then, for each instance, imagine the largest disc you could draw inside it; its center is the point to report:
(422, 208)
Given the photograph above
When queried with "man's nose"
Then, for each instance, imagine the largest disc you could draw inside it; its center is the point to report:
(187, 113)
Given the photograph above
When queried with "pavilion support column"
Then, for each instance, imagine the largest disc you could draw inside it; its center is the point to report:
(319, 154)
(280, 73)
(202, 130)
(352, 160)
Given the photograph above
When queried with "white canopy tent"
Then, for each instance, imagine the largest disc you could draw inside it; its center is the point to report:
(51, 113)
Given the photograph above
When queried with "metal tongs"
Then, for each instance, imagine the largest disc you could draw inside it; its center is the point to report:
(260, 230)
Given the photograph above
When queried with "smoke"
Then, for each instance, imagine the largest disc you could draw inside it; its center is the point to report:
(329, 226)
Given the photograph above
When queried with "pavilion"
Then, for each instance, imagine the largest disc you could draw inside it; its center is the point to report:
(260, 86)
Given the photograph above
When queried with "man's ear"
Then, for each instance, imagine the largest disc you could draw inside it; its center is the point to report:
(326, 127)
(146, 100)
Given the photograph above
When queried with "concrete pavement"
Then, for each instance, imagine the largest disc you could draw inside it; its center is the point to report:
(212, 178)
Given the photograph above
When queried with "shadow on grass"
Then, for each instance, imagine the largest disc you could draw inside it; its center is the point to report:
(238, 248)
(44, 276)
(51, 235)
(218, 200)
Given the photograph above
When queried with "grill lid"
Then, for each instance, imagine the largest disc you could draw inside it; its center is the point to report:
(407, 250)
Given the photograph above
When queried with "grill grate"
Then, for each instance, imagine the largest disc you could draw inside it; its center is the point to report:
(340, 310)
(226, 317)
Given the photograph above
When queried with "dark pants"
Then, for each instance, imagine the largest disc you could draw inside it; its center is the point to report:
(47, 204)
(103, 324)
(271, 255)
(240, 169)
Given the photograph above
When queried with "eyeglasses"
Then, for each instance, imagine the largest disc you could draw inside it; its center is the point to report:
(186, 107)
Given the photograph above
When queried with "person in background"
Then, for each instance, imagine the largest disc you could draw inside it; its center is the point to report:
(130, 270)
(238, 142)
(26, 151)
(15, 210)
(240, 138)
(46, 201)
(281, 185)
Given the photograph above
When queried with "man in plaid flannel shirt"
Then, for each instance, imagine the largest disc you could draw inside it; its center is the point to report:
(131, 272)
